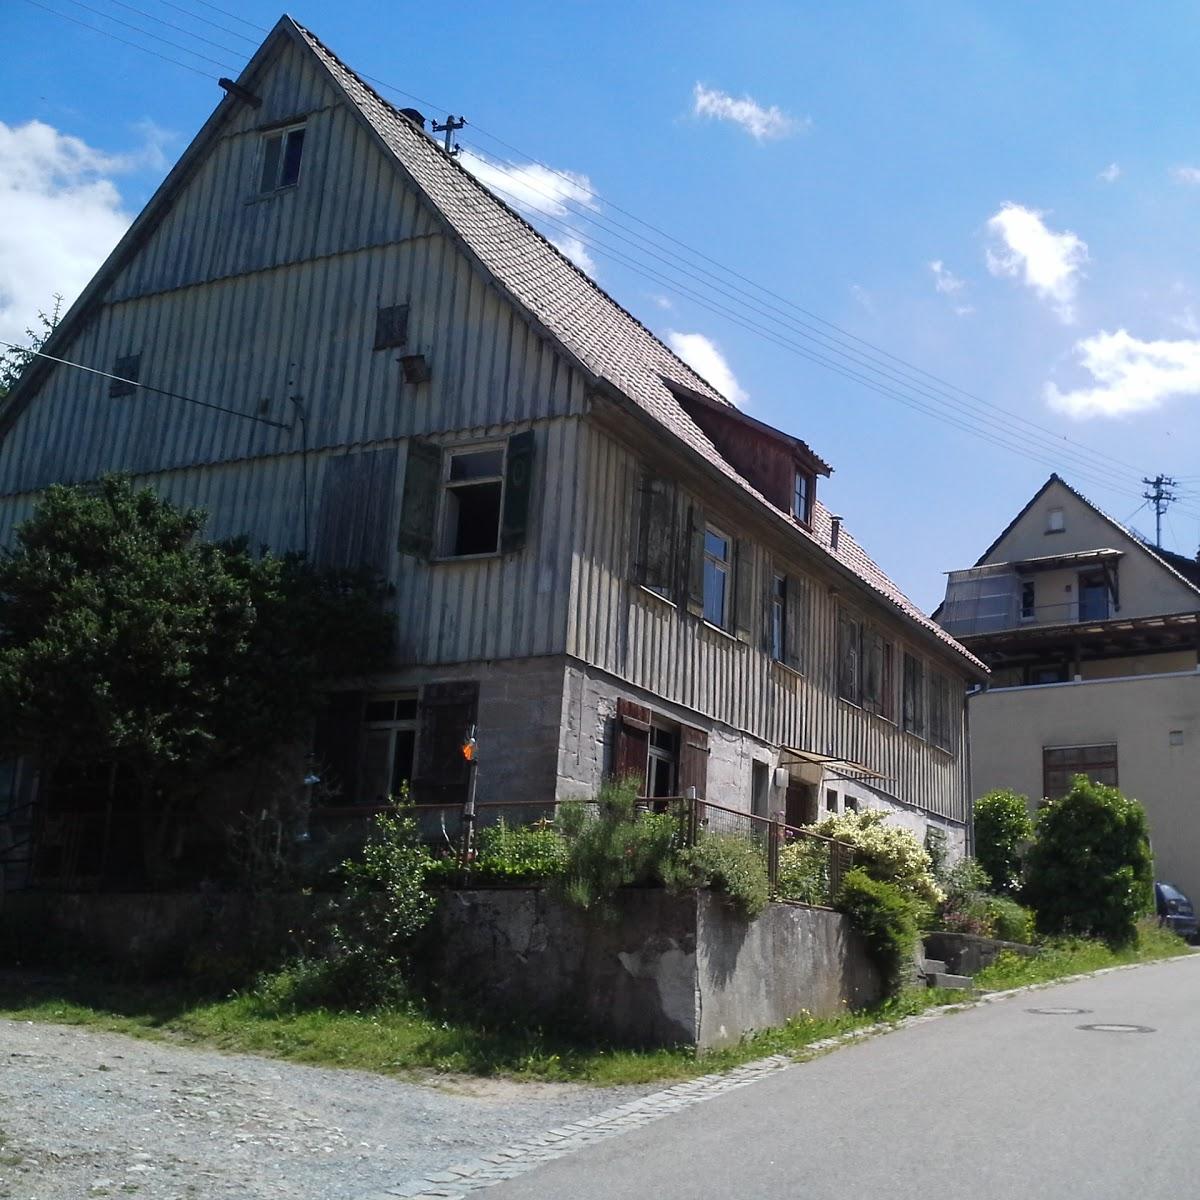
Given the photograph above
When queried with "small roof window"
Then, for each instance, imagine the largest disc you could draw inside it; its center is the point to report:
(1055, 520)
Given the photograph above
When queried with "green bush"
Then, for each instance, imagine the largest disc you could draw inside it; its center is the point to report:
(1010, 921)
(886, 852)
(804, 871)
(886, 917)
(725, 863)
(1089, 872)
(506, 854)
(1003, 828)
(965, 908)
(611, 845)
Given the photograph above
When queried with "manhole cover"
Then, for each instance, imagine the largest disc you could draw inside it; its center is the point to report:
(1113, 1028)
(1059, 1012)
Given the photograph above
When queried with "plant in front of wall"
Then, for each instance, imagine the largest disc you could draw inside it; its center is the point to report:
(517, 854)
(804, 873)
(725, 863)
(1003, 829)
(886, 918)
(965, 907)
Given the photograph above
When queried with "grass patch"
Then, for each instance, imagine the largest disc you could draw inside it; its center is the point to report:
(412, 1038)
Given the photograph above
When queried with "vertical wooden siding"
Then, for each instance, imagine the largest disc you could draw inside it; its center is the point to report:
(620, 628)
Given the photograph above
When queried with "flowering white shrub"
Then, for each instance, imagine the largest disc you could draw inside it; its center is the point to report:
(886, 852)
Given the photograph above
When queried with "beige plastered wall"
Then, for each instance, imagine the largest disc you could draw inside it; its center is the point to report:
(1010, 727)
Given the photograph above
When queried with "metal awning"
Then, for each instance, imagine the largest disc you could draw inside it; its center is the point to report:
(1056, 562)
(789, 756)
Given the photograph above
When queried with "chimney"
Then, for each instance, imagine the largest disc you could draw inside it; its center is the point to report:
(835, 532)
(415, 116)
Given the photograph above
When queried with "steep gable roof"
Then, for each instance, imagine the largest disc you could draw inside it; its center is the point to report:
(609, 344)
(1190, 578)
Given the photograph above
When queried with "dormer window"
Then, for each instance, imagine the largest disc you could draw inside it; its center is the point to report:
(282, 150)
(802, 495)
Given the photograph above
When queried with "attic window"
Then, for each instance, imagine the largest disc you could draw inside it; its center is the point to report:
(281, 154)
(127, 368)
(1055, 521)
(391, 326)
(802, 495)
(474, 485)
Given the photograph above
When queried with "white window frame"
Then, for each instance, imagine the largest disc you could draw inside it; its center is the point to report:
(445, 531)
(660, 754)
(724, 567)
(806, 478)
(392, 727)
(282, 133)
(1056, 520)
(779, 616)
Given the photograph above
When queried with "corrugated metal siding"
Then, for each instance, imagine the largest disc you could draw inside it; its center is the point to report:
(637, 637)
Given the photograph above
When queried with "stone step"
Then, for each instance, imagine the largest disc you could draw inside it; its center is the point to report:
(943, 979)
(932, 965)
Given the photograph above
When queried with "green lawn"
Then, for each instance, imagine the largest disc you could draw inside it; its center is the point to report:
(412, 1039)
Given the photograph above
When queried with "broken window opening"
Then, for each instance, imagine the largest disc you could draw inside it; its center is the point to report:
(282, 151)
(474, 501)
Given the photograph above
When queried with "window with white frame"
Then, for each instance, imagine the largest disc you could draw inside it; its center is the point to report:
(662, 766)
(389, 745)
(1055, 520)
(778, 617)
(282, 150)
(802, 496)
(717, 553)
(473, 501)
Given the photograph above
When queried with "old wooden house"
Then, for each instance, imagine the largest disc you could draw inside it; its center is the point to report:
(595, 557)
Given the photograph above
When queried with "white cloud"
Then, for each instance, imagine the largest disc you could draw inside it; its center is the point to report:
(862, 297)
(1110, 174)
(1130, 375)
(703, 356)
(540, 192)
(944, 280)
(762, 124)
(1189, 175)
(60, 215)
(1049, 263)
(663, 302)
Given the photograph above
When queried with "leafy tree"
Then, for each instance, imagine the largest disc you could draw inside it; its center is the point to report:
(127, 641)
(14, 361)
(1003, 828)
(1090, 872)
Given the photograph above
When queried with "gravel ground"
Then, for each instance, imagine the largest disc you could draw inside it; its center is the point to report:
(87, 1114)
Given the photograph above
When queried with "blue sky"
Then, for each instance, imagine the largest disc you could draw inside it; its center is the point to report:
(1003, 196)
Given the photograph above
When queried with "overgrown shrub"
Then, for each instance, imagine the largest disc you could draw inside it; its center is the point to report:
(804, 871)
(886, 917)
(504, 853)
(1010, 920)
(1089, 872)
(1003, 828)
(965, 908)
(610, 845)
(886, 852)
(725, 863)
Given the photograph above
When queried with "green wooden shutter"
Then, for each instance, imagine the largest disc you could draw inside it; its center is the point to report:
(656, 537)
(694, 563)
(518, 487)
(418, 509)
(743, 591)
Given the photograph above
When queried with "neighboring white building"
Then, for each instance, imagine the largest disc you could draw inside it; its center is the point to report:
(1092, 637)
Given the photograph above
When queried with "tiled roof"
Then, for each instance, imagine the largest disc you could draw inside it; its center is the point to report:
(608, 341)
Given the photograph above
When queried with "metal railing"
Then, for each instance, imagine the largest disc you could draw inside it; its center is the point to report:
(801, 865)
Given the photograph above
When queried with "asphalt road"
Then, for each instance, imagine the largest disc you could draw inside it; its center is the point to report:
(994, 1102)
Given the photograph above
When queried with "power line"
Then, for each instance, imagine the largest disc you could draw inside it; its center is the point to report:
(146, 387)
(172, 25)
(233, 16)
(215, 24)
(117, 38)
(146, 33)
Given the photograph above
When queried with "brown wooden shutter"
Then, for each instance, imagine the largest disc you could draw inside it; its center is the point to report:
(418, 509)
(337, 735)
(655, 566)
(694, 561)
(445, 715)
(794, 625)
(518, 488)
(358, 497)
(743, 590)
(632, 749)
(693, 760)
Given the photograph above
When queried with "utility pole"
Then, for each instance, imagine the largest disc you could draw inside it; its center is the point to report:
(1160, 497)
(452, 125)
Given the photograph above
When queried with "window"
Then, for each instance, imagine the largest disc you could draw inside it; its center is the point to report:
(716, 578)
(849, 658)
(656, 563)
(802, 497)
(281, 154)
(389, 745)
(778, 617)
(1028, 598)
(473, 503)
(940, 733)
(1093, 597)
(1060, 764)
(1052, 674)
(878, 675)
(831, 800)
(760, 789)
(850, 804)
(1055, 521)
(391, 326)
(663, 762)
(914, 695)
(127, 368)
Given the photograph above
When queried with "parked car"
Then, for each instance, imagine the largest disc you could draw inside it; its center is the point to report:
(1175, 911)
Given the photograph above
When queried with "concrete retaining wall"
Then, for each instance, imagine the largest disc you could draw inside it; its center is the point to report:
(966, 954)
(665, 970)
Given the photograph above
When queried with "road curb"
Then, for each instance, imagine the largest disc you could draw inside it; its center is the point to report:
(457, 1182)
